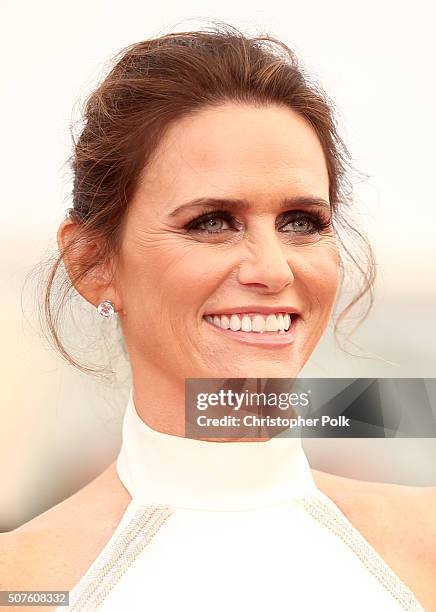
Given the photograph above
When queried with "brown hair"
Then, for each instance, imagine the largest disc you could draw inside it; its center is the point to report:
(153, 84)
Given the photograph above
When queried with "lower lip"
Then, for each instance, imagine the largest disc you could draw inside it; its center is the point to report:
(266, 339)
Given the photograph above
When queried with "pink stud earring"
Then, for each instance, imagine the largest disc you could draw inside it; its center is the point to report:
(106, 308)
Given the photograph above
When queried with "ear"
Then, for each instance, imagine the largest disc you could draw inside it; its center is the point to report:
(99, 283)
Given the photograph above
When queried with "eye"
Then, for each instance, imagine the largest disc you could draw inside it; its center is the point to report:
(212, 223)
(220, 221)
(304, 223)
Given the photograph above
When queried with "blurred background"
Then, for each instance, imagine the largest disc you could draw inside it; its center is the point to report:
(60, 428)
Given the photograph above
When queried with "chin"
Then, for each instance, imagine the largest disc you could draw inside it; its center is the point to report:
(265, 369)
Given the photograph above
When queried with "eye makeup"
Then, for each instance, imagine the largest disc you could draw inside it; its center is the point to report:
(311, 222)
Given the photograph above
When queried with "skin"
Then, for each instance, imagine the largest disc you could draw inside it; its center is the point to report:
(165, 279)
(159, 289)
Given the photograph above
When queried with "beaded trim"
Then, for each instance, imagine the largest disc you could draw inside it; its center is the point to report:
(120, 554)
(147, 520)
(325, 512)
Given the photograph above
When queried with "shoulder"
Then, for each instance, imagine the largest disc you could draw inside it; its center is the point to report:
(406, 511)
(398, 521)
(58, 545)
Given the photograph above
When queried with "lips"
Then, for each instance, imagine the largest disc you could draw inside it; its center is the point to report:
(264, 339)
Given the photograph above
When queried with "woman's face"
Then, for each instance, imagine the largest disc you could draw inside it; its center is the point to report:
(175, 266)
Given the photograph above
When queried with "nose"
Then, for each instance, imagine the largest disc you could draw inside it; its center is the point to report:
(266, 262)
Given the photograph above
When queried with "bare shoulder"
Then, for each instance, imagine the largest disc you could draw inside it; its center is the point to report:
(398, 521)
(53, 550)
(408, 509)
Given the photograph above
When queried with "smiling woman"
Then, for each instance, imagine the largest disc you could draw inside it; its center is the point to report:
(277, 253)
(210, 216)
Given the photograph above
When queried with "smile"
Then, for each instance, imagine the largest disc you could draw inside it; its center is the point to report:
(255, 328)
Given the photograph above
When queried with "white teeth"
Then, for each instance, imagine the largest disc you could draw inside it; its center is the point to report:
(258, 323)
(246, 324)
(235, 323)
(225, 322)
(271, 323)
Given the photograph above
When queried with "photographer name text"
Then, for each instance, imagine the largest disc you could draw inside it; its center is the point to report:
(267, 421)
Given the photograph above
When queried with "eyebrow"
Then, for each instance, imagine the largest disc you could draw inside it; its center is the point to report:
(238, 204)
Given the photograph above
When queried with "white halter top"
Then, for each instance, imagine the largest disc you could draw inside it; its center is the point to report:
(232, 526)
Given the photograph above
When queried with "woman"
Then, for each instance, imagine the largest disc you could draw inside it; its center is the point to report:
(210, 205)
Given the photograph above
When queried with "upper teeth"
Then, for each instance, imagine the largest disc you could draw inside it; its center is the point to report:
(252, 322)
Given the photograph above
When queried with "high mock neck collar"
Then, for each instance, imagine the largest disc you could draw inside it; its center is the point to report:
(160, 468)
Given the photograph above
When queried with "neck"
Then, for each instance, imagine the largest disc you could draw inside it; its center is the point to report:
(157, 467)
(166, 396)
(159, 400)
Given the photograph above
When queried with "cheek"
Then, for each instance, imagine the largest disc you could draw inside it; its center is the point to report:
(320, 276)
(165, 274)
(186, 268)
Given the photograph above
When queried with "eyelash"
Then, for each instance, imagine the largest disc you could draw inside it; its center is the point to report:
(318, 222)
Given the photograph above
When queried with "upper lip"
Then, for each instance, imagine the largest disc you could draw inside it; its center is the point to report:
(253, 308)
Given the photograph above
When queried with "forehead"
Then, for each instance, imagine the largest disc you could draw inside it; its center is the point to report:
(237, 151)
